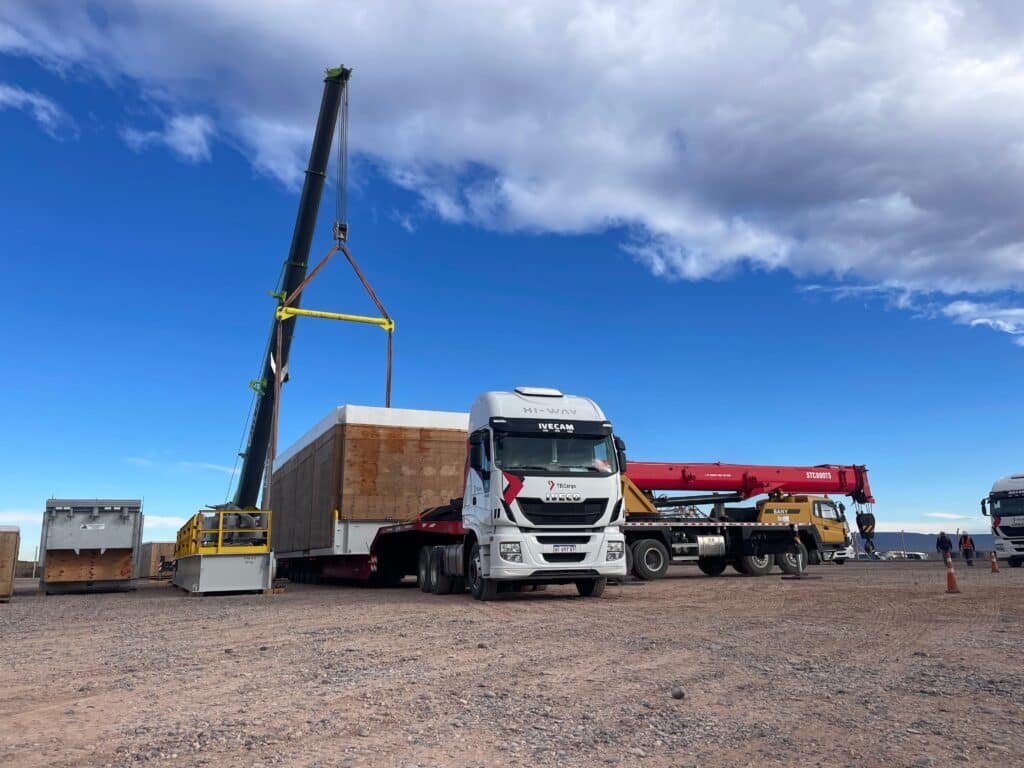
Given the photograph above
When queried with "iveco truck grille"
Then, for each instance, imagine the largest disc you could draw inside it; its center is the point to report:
(564, 557)
(586, 512)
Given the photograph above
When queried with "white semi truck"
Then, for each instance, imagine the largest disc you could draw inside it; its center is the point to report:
(1005, 506)
(542, 497)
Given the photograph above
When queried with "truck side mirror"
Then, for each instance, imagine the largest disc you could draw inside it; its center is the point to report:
(620, 453)
(984, 508)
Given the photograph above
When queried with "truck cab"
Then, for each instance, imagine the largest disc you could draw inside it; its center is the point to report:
(826, 537)
(543, 495)
(1005, 506)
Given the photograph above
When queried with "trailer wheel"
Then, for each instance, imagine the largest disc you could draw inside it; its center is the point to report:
(440, 582)
(479, 587)
(591, 587)
(423, 569)
(758, 565)
(712, 566)
(787, 561)
(650, 559)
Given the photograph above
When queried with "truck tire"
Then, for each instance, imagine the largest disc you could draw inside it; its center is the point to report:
(1015, 562)
(423, 569)
(481, 588)
(839, 560)
(591, 587)
(739, 567)
(712, 566)
(629, 563)
(787, 561)
(758, 565)
(650, 559)
(440, 582)
(814, 557)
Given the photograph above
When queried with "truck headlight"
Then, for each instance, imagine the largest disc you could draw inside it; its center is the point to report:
(511, 551)
(614, 551)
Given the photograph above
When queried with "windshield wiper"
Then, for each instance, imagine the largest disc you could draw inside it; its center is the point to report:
(527, 467)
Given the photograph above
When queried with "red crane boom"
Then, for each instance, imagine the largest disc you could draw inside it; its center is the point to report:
(752, 480)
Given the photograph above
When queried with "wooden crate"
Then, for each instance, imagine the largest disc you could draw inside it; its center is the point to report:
(149, 557)
(63, 565)
(10, 538)
(369, 465)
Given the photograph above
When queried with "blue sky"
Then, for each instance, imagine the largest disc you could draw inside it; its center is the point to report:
(142, 233)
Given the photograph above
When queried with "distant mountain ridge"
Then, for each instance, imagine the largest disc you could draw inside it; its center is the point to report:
(921, 542)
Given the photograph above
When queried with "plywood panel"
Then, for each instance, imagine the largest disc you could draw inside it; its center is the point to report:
(63, 565)
(8, 561)
(150, 553)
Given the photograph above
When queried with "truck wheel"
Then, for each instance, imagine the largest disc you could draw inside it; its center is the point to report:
(591, 587)
(629, 562)
(814, 557)
(423, 569)
(1015, 562)
(479, 587)
(711, 566)
(440, 582)
(758, 565)
(739, 566)
(787, 561)
(839, 560)
(650, 559)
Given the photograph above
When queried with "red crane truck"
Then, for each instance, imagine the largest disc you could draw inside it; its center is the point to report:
(786, 528)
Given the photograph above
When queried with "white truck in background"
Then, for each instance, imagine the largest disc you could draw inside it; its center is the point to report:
(1005, 506)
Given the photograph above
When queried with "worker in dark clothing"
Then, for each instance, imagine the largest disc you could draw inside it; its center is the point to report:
(866, 526)
(967, 547)
(944, 546)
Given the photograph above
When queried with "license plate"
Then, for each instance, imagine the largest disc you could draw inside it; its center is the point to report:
(564, 547)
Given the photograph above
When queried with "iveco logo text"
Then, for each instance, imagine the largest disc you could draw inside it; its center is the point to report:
(819, 475)
(559, 497)
(554, 426)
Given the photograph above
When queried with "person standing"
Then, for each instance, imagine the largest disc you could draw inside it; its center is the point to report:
(967, 547)
(944, 546)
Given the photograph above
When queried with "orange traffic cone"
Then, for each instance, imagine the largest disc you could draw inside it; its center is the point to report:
(951, 585)
(995, 563)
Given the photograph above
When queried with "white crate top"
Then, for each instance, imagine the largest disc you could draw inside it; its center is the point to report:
(378, 417)
(10, 529)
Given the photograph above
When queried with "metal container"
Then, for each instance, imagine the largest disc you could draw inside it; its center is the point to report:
(90, 545)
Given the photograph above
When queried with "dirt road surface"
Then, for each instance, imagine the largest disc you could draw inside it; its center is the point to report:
(870, 665)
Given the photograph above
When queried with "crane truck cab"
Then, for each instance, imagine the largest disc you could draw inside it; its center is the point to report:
(1005, 506)
(824, 534)
(543, 497)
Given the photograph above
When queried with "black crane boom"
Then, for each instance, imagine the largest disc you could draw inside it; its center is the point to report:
(258, 446)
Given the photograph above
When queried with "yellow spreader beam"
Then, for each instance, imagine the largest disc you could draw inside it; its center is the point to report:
(283, 313)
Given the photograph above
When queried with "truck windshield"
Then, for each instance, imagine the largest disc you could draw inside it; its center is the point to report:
(554, 455)
(1007, 507)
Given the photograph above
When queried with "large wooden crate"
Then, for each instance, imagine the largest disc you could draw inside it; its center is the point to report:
(10, 538)
(149, 557)
(366, 465)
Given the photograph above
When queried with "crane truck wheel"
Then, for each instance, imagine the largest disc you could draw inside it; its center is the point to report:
(712, 566)
(758, 565)
(440, 582)
(479, 587)
(591, 587)
(650, 559)
(787, 561)
(423, 569)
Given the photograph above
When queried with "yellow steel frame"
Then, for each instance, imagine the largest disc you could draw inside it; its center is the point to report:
(194, 537)
(284, 312)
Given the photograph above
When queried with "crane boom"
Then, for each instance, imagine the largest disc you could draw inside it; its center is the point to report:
(258, 446)
(750, 480)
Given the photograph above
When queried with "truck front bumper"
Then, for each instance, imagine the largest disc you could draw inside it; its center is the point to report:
(556, 555)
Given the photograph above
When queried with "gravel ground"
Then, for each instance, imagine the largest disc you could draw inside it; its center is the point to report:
(870, 665)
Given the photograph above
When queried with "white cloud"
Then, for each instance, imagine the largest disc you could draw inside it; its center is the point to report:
(188, 136)
(19, 516)
(205, 465)
(876, 141)
(922, 526)
(995, 316)
(44, 110)
(140, 461)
